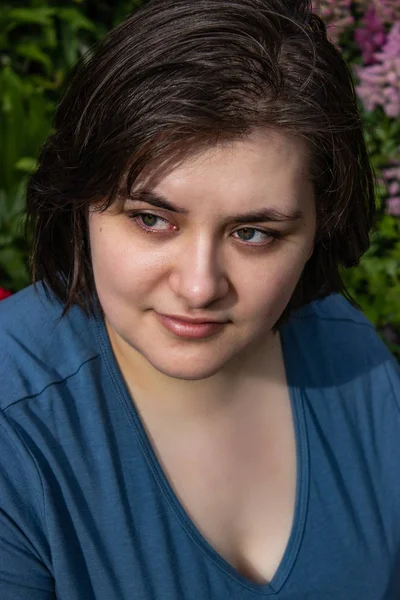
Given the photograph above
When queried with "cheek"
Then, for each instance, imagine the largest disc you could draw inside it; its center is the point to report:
(121, 266)
(269, 288)
(106, 262)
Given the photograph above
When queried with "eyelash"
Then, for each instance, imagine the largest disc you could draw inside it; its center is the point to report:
(272, 234)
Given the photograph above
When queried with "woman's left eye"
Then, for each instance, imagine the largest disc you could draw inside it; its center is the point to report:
(255, 236)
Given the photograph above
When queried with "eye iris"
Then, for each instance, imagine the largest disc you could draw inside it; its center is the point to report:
(149, 220)
(246, 234)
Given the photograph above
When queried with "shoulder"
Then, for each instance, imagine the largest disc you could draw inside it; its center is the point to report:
(38, 347)
(333, 325)
(331, 343)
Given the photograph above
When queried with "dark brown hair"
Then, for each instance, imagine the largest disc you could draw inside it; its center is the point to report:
(197, 72)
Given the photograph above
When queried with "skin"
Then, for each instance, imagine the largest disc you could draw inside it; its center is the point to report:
(199, 264)
(217, 410)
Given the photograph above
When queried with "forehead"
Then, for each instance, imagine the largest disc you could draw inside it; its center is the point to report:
(264, 166)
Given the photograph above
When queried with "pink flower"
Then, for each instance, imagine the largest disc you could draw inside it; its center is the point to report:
(387, 10)
(336, 15)
(4, 293)
(391, 178)
(393, 207)
(380, 82)
(372, 36)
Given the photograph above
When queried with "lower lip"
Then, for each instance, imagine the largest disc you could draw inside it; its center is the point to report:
(190, 330)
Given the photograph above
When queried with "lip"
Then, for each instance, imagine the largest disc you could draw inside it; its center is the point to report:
(196, 321)
(190, 328)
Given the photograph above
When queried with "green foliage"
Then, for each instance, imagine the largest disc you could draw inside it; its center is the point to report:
(40, 40)
(375, 283)
(38, 45)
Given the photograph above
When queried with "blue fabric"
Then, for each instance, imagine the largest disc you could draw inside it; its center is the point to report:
(86, 511)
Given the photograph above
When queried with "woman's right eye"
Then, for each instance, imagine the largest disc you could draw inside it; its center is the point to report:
(151, 223)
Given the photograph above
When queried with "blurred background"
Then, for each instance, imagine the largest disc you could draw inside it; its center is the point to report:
(41, 40)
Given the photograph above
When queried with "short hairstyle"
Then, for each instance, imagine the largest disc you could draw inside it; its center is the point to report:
(194, 73)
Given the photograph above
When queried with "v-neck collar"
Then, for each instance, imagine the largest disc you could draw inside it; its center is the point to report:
(302, 483)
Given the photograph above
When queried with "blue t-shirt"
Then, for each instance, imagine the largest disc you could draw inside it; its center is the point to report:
(86, 511)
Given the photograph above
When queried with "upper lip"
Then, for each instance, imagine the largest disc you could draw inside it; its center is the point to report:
(194, 319)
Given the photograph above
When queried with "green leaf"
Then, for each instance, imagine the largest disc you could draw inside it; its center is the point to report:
(76, 19)
(3, 206)
(35, 54)
(15, 201)
(389, 228)
(6, 239)
(30, 16)
(14, 263)
(11, 125)
(26, 164)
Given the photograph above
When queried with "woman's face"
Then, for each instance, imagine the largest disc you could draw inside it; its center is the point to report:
(222, 239)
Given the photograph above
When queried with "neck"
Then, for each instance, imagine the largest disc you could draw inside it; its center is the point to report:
(221, 393)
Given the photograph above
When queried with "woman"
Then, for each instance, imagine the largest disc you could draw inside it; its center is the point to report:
(190, 406)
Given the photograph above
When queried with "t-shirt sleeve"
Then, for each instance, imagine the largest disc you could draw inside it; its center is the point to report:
(24, 554)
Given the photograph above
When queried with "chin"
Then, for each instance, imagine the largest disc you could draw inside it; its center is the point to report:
(187, 372)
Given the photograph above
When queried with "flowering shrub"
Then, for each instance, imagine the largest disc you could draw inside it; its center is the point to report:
(368, 33)
(371, 35)
(388, 10)
(336, 15)
(380, 82)
(391, 177)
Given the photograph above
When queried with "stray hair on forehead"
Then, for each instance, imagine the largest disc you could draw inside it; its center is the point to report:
(180, 76)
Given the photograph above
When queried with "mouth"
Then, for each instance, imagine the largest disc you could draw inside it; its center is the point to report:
(198, 328)
(195, 321)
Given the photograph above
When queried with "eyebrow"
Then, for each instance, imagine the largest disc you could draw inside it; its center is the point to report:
(258, 216)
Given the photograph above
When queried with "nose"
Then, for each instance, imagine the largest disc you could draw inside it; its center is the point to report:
(198, 276)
